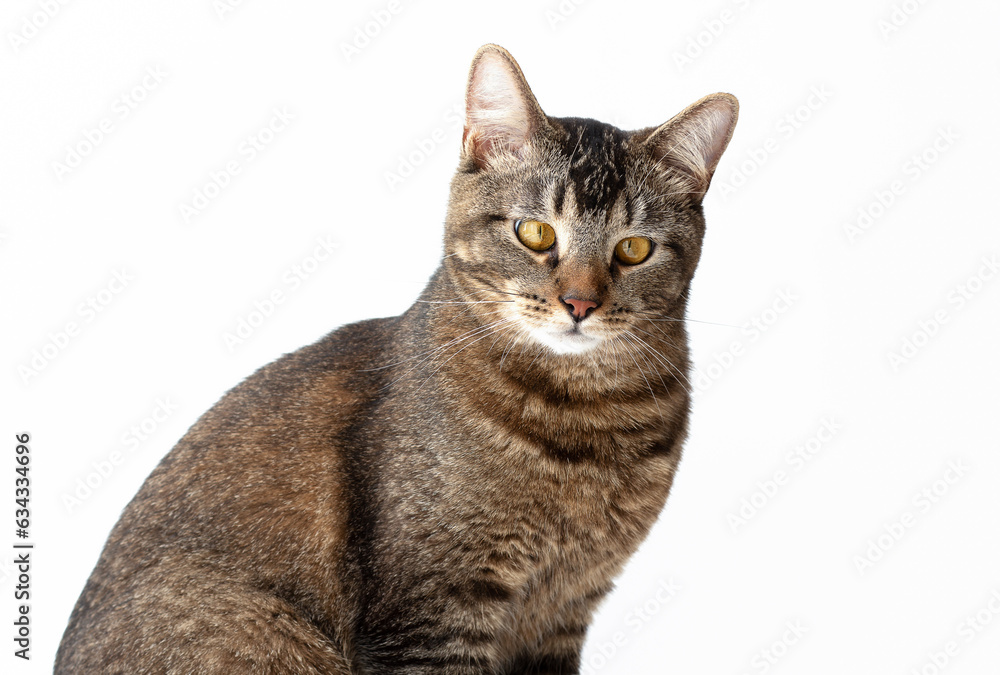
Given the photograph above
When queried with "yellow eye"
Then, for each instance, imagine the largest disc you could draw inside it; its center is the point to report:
(536, 235)
(633, 250)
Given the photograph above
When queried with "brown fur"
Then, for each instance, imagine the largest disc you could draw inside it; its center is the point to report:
(432, 493)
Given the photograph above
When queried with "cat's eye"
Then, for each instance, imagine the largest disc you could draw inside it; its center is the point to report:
(633, 250)
(534, 234)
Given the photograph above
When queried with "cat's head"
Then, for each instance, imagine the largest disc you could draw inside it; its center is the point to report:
(573, 230)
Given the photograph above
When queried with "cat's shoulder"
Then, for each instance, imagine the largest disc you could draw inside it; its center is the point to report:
(354, 347)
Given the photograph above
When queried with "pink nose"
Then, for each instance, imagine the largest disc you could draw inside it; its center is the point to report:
(578, 308)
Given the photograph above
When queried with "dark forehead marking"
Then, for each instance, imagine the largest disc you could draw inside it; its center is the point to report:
(598, 157)
(558, 195)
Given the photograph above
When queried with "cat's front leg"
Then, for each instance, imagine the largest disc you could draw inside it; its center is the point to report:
(424, 640)
(452, 655)
(557, 646)
(546, 664)
(559, 654)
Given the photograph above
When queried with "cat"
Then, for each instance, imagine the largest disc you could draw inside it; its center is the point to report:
(453, 490)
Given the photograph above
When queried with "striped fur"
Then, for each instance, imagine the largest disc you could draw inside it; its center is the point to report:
(444, 491)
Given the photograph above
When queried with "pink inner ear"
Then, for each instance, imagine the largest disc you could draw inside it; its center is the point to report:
(717, 121)
(497, 115)
(695, 142)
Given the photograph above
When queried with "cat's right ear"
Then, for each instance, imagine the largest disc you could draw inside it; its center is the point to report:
(501, 113)
(691, 144)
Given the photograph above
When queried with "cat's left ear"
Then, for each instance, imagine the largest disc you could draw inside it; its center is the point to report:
(501, 113)
(693, 141)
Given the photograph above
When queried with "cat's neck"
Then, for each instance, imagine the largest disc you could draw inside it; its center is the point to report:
(613, 405)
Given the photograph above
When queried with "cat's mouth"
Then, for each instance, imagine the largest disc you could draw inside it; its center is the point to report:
(570, 340)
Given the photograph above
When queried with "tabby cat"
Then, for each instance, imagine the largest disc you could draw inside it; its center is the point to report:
(452, 490)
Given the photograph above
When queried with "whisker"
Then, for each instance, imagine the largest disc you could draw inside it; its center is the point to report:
(417, 356)
(618, 340)
(539, 351)
(661, 357)
(453, 356)
(663, 336)
(510, 345)
(651, 392)
(662, 317)
(461, 302)
(433, 353)
(637, 340)
(497, 290)
(493, 344)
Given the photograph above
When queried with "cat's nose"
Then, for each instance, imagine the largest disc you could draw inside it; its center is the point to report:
(579, 309)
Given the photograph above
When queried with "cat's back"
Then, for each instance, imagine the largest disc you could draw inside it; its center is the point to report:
(244, 516)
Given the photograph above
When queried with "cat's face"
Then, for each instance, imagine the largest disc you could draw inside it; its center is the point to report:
(572, 232)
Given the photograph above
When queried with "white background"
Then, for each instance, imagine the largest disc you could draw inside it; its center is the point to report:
(834, 303)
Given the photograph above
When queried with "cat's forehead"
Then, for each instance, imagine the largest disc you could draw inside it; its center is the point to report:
(597, 159)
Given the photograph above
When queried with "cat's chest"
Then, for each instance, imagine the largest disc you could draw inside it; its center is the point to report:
(565, 534)
(545, 488)
(569, 480)
(547, 516)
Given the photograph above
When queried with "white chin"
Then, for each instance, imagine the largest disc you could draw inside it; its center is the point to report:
(565, 342)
